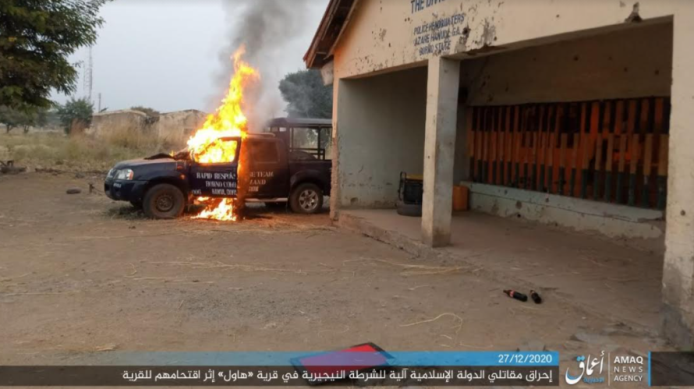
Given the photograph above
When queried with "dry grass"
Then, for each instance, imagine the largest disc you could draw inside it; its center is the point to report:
(55, 150)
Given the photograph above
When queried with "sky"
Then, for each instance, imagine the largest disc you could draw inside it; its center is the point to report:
(167, 54)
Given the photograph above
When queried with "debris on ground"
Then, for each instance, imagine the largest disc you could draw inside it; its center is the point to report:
(458, 319)
(536, 297)
(73, 191)
(412, 269)
(107, 347)
(590, 338)
(532, 345)
(8, 167)
(516, 295)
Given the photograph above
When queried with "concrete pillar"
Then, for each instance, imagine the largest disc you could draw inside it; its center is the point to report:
(335, 181)
(678, 271)
(439, 150)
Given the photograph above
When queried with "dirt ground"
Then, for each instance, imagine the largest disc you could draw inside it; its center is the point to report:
(80, 274)
(612, 277)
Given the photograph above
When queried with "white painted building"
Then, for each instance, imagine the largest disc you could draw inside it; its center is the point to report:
(569, 112)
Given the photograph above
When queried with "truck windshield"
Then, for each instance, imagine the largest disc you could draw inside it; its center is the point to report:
(218, 151)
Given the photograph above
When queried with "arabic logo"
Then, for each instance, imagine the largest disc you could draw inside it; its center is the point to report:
(587, 366)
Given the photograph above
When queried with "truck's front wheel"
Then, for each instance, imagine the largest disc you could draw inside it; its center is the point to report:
(163, 201)
(306, 199)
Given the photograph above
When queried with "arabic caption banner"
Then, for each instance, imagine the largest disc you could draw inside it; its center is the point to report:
(275, 376)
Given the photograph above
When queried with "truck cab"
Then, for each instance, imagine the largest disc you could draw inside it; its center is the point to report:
(272, 167)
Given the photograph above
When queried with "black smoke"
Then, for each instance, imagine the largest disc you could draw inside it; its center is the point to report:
(266, 28)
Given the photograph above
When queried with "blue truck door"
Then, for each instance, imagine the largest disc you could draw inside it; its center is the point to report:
(268, 173)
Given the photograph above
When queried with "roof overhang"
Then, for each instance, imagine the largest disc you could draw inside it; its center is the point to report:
(300, 122)
(329, 31)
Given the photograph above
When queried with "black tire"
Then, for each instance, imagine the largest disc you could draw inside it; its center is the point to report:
(408, 209)
(164, 201)
(306, 199)
(136, 204)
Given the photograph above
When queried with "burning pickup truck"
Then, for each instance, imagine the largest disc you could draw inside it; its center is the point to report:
(224, 166)
(264, 167)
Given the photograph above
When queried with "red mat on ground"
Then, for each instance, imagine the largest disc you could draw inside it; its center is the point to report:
(365, 356)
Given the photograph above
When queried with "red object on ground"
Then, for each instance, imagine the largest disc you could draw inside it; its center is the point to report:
(516, 295)
(365, 356)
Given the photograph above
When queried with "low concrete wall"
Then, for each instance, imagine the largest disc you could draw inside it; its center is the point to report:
(173, 127)
(106, 123)
(583, 215)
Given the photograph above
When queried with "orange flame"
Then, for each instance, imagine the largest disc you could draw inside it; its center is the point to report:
(228, 121)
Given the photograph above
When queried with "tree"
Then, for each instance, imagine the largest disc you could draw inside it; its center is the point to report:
(42, 118)
(36, 39)
(52, 117)
(35, 118)
(25, 118)
(11, 118)
(80, 110)
(306, 96)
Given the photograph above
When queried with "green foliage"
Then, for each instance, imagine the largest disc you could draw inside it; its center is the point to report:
(306, 95)
(75, 110)
(11, 118)
(52, 118)
(36, 39)
(24, 118)
(36, 118)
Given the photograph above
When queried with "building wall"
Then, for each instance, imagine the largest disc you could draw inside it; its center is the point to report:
(381, 133)
(613, 65)
(614, 221)
(635, 62)
(382, 35)
(512, 53)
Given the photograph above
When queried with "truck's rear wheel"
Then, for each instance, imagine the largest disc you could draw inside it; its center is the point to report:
(164, 201)
(306, 199)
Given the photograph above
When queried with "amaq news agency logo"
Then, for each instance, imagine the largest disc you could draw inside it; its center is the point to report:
(588, 367)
